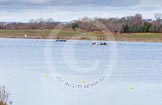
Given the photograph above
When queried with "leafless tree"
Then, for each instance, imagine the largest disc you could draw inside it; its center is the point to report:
(158, 17)
(4, 97)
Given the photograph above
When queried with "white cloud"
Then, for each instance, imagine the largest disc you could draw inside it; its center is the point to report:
(37, 1)
(1, 1)
(60, 10)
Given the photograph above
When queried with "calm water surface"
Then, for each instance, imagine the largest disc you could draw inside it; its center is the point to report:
(134, 72)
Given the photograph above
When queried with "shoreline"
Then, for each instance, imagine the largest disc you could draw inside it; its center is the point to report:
(76, 35)
(118, 40)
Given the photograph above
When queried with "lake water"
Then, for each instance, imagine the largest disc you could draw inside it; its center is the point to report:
(45, 72)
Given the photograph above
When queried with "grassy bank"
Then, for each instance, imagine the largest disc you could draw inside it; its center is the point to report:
(65, 34)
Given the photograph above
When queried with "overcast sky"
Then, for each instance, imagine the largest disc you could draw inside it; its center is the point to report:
(66, 10)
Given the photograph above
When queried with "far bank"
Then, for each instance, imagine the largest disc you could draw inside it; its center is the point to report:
(81, 35)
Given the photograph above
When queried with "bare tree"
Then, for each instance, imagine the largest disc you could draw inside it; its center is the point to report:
(158, 17)
(4, 97)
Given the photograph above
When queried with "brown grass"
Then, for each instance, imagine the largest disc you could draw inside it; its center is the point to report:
(1, 103)
(79, 35)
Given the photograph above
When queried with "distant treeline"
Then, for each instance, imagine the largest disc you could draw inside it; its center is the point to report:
(129, 24)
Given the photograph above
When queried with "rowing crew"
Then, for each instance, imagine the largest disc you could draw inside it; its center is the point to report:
(102, 43)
